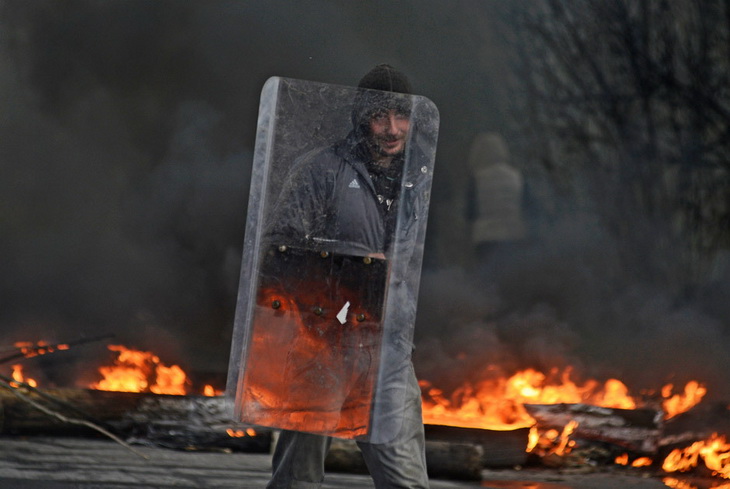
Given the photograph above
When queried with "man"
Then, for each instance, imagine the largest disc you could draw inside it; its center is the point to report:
(348, 197)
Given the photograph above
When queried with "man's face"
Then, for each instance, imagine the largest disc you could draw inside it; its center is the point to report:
(388, 132)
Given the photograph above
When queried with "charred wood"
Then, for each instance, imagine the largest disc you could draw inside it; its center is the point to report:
(634, 430)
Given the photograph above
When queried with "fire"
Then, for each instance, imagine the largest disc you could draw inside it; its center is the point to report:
(642, 462)
(615, 394)
(533, 438)
(170, 380)
(30, 349)
(715, 452)
(133, 371)
(565, 442)
(680, 403)
(498, 404)
(678, 484)
(241, 433)
(210, 391)
(639, 462)
(19, 377)
(141, 371)
(551, 441)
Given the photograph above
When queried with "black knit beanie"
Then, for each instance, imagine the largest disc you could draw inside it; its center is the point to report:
(385, 77)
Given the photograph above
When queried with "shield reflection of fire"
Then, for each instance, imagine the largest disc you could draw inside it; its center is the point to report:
(310, 373)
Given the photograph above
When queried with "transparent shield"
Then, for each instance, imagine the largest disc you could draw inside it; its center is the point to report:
(332, 258)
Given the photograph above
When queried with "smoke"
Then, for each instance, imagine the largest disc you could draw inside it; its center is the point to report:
(127, 131)
(125, 151)
(564, 300)
(123, 212)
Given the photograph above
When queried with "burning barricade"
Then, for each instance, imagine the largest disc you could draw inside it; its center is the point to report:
(529, 417)
(137, 397)
(584, 424)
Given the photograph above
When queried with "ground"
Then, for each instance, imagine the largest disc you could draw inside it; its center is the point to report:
(86, 463)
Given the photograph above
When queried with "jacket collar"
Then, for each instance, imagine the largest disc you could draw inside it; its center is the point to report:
(353, 150)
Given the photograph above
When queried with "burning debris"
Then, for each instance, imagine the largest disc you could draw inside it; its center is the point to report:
(19, 378)
(499, 403)
(528, 418)
(132, 370)
(714, 452)
(29, 349)
(637, 462)
(675, 404)
(139, 398)
(586, 424)
(141, 371)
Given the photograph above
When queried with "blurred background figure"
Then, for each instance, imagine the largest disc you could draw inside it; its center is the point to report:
(496, 196)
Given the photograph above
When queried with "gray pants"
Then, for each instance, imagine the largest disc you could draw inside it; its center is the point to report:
(298, 461)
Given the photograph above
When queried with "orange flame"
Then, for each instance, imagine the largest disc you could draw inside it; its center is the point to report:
(715, 452)
(642, 462)
(30, 349)
(551, 441)
(210, 391)
(141, 371)
(639, 462)
(240, 433)
(622, 459)
(498, 404)
(677, 484)
(19, 377)
(565, 442)
(170, 380)
(533, 438)
(680, 403)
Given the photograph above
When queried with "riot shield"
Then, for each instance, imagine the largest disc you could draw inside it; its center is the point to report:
(331, 266)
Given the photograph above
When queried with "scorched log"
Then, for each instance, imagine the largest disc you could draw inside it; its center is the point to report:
(635, 430)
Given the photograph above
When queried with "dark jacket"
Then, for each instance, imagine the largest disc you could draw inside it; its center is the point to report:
(329, 203)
